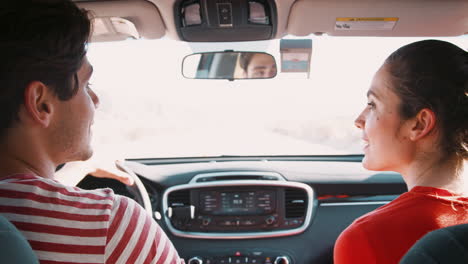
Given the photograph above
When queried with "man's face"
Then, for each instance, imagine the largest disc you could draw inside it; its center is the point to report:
(71, 129)
(261, 66)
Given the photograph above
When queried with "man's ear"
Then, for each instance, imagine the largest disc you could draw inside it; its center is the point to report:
(423, 123)
(38, 103)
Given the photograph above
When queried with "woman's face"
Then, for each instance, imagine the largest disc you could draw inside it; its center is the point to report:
(386, 147)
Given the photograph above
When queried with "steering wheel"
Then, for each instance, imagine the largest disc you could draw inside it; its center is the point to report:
(137, 189)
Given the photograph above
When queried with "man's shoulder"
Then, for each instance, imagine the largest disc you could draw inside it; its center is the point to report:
(51, 188)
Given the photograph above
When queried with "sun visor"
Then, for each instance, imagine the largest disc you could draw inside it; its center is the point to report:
(379, 18)
(120, 20)
(221, 21)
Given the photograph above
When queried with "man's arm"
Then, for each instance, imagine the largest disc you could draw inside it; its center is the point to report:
(134, 237)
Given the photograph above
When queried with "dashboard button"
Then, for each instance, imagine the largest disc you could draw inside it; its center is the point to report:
(255, 261)
(195, 260)
(227, 223)
(270, 220)
(225, 261)
(248, 222)
(206, 221)
(282, 260)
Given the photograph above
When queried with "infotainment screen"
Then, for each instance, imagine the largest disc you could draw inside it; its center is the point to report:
(237, 202)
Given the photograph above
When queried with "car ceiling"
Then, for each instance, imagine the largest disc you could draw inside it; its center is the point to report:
(155, 18)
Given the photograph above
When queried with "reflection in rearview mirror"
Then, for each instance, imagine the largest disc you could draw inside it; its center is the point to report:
(229, 65)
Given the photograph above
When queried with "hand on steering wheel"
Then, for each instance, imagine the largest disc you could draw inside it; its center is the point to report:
(73, 172)
(112, 172)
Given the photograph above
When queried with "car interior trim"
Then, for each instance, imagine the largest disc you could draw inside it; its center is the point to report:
(355, 203)
(267, 175)
(434, 18)
(143, 14)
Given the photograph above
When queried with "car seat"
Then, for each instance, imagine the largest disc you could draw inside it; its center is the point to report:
(446, 245)
(14, 248)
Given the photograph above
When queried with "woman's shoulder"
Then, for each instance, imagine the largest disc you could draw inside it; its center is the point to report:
(418, 203)
(402, 207)
(439, 194)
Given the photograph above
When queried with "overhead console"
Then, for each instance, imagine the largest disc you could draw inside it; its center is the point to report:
(225, 20)
(238, 209)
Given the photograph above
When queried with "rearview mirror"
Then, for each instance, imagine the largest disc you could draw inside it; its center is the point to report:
(229, 65)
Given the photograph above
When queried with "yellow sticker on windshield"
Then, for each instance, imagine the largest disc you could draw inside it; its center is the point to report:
(365, 23)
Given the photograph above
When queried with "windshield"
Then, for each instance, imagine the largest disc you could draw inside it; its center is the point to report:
(148, 109)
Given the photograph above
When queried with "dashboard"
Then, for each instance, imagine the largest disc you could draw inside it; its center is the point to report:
(258, 211)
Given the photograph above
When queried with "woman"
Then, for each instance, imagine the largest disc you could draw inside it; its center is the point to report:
(415, 123)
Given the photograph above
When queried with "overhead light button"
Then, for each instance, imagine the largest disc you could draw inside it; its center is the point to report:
(225, 14)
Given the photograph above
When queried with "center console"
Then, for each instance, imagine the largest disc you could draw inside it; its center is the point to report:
(239, 207)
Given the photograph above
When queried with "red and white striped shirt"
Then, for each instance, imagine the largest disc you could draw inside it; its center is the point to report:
(69, 225)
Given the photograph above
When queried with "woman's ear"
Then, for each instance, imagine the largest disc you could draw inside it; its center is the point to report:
(38, 103)
(423, 123)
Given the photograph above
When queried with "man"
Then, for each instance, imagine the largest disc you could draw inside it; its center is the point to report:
(257, 65)
(46, 113)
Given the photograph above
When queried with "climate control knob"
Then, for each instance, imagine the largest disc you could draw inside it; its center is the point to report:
(270, 220)
(206, 221)
(282, 260)
(196, 260)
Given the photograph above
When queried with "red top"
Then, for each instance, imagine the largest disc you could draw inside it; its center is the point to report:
(385, 234)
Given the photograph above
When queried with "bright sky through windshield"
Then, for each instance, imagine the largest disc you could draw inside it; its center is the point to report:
(149, 110)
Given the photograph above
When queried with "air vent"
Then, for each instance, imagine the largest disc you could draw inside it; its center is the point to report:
(179, 198)
(295, 202)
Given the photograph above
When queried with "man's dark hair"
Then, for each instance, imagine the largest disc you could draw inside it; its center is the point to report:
(433, 74)
(245, 58)
(40, 41)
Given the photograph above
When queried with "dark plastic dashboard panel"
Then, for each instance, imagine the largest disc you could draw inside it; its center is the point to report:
(315, 245)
